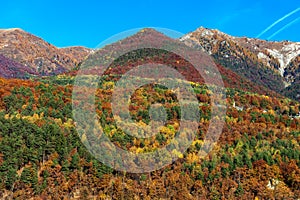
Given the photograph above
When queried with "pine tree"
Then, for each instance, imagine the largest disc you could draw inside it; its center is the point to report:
(239, 191)
(11, 177)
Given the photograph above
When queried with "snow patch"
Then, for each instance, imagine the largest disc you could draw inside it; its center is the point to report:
(261, 55)
(281, 59)
(285, 55)
(264, 57)
(204, 31)
(207, 32)
(185, 37)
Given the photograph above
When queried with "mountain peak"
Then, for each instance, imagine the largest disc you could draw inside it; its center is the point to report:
(37, 54)
(141, 37)
(12, 30)
(210, 32)
(276, 61)
(150, 31)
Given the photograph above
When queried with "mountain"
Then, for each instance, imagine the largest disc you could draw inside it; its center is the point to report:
(250, 64)
(37, 54)
(230, 78)
(272, 64)
(12, 69)
(43, 153)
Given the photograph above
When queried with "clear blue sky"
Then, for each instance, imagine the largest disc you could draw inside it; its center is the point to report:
(87, 23)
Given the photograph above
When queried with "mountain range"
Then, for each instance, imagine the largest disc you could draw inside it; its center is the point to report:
(38, 55)
(270, 66)
(44, 146)
(274, 65)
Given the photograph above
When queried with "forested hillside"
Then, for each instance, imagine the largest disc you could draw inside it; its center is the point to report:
(42, 156)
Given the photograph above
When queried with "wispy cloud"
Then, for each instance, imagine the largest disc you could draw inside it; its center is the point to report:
(279, 20)
(284, 27)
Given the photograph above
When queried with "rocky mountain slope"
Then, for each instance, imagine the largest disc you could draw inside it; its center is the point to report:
(37, 54)
(12, 69)
(272, 64)
(43, 156)
(123, 64)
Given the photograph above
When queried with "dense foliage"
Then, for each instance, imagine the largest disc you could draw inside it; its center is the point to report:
(43, 157)
(256, 157)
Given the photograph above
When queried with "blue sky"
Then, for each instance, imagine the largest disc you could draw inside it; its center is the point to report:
(88, 23)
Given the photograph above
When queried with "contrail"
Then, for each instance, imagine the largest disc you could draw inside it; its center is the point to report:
(279, 20)
(283, 28)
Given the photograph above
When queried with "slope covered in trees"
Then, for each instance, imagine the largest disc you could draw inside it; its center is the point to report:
(12, 69)
(42, 155)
